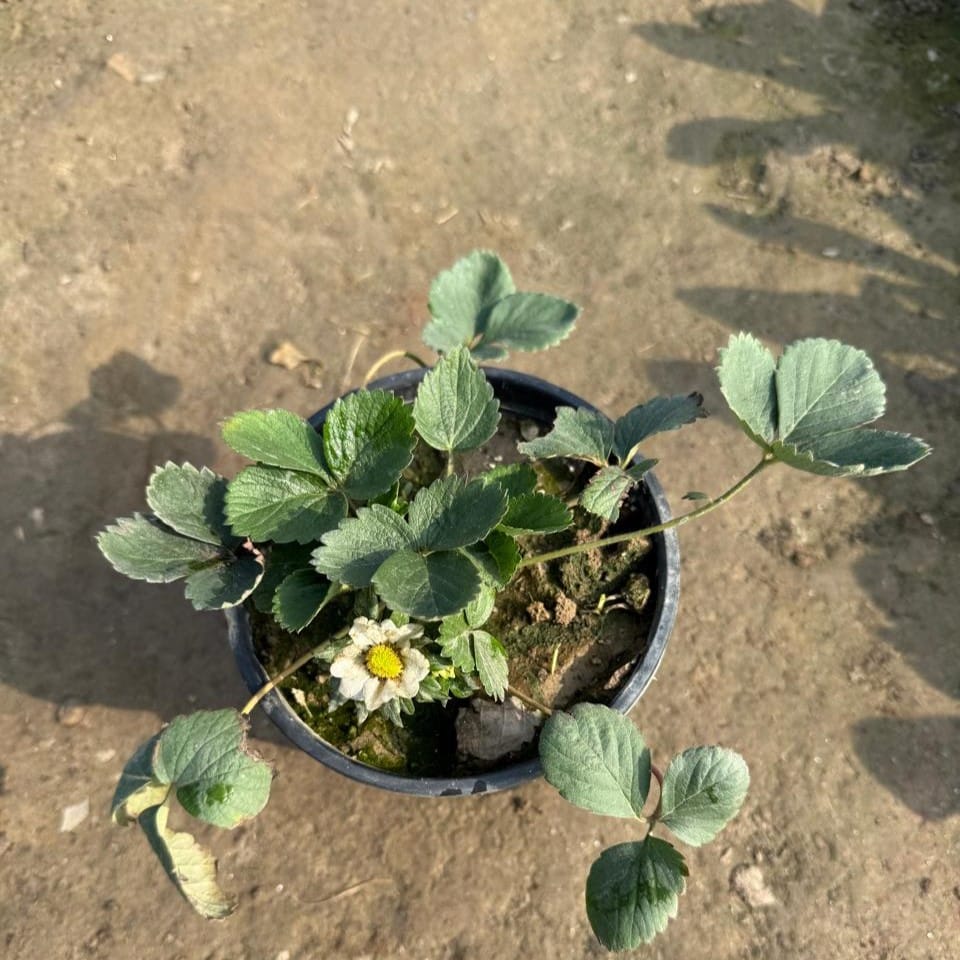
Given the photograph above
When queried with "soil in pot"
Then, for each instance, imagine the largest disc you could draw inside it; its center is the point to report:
(573, 629)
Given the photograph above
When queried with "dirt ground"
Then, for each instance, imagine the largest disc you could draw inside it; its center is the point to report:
(183, 186)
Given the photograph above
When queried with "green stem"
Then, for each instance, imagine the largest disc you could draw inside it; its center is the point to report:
(276, 681)
(450, 464)
(659, 528)
(335, 591)
(387, 357)
(529, 701)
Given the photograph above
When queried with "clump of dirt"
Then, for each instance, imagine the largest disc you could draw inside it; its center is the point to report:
(572, 627)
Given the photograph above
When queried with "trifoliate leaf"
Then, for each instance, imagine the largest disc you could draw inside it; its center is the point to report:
(191, 867)
(582, 434)
(455, 408)
(190, 501)
(491, 660)
(655, 416)
(269, 503)
(597, 759)
(807, 409)
(299, 598)
(282, 560)
(515, 478)
(226, 583)
(277, 438)
(633, 891)
(146, 549)
(352, 553)
(204, 757)
(703, 788)
(747, 373)
(461, 297)
(825, 387)
(368, 441)
(854, 453)
(524, 321)
(138, 790)
(478, 611)
(450, 513)
(496, 557)
(428, 587)
(536, 513)
(605, 492)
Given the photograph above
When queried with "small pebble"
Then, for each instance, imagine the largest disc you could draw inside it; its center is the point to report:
(748, 882)
(831, 252)
(70, 714)
(529, 429)
(71, 817)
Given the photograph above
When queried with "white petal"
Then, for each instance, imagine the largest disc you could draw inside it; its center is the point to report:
(410, 632)
(377, 692)
(353, 676)
(365, 632)
(415, 664)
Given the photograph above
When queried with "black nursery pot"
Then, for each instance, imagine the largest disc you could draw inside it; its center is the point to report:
(529, 398)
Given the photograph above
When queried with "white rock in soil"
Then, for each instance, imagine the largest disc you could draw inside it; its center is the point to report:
(748, 881)
(488, 731)
(71, 817)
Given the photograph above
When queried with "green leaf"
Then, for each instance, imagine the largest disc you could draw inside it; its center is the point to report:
(191, 867)
(455, 409)
(277, 438)
(352, 553)
(138, 790)
(695, 495)
(516, 479)
(633, 891)
(583, 434)
(457, 648)
(597, 759)
(855, 453)
(226, 583)
(641, 467)
(703, 789)
(299, 598)
(269, 503)
(368, 442)
(205, 758)
(146, 549)
(190, 501)
(450, 513)
(605, 492)
(524, 321)
(825, 387)
(496, 557)
(655, 416)
(491, 660)
(282, 560)
(536, 513)
(461, 296)
(807, 409)
(478, 611)
(747, 373)
(427, 587)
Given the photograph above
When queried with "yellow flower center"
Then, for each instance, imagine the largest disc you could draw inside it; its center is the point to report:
(383, 661)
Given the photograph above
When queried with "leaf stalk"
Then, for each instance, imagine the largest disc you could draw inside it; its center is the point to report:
(658, 528)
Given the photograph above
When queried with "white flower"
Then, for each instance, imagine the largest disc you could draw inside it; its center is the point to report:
(379, 665)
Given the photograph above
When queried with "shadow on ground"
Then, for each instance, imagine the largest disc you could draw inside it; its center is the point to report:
(127, 644)
(901, 71)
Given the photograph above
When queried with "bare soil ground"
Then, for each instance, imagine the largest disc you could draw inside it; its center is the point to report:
(182, 186)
